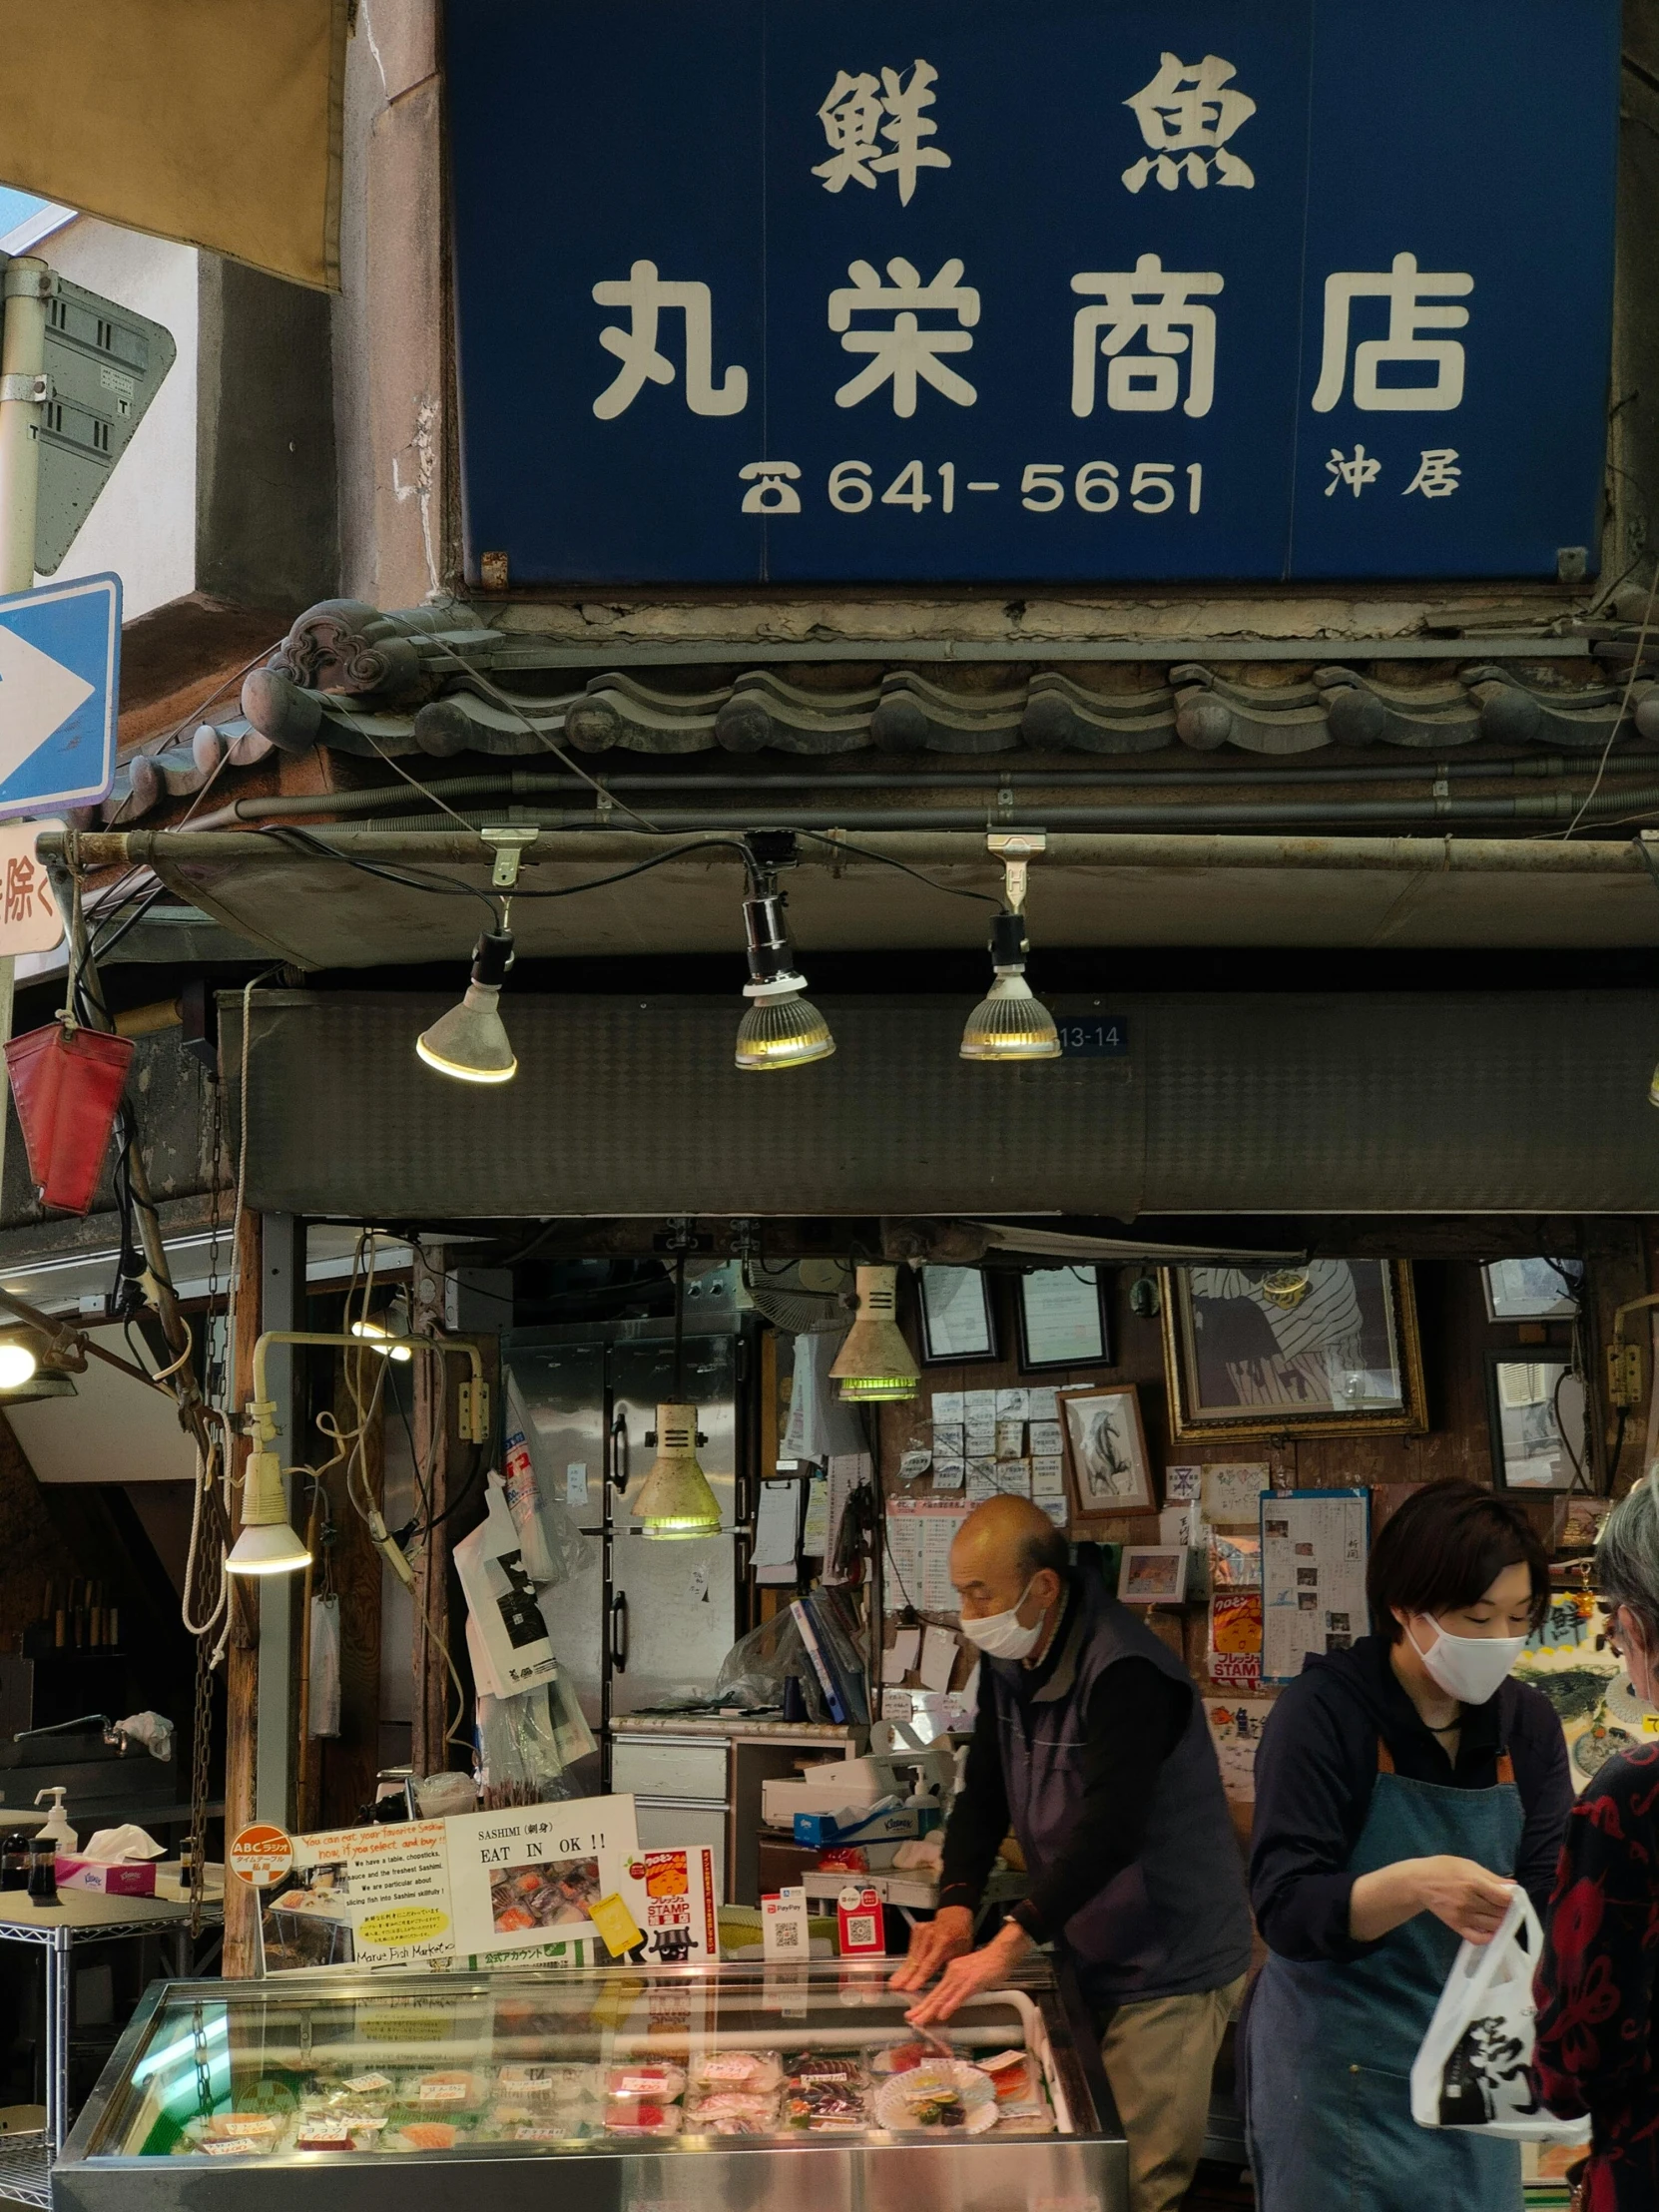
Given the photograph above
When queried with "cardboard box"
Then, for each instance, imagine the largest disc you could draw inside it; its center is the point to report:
(121, 1878)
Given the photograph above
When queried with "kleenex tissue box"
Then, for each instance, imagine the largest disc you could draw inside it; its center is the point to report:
(111, 1878)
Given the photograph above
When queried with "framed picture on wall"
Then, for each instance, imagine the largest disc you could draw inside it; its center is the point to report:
(957, 1323)
(1153, 1575)
(1062, 1320)
(1532, 1290)
(1324, 1348)
(1106, 1458)
(1537, 1413)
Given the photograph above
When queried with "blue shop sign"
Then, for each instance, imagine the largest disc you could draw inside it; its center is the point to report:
(778, 291)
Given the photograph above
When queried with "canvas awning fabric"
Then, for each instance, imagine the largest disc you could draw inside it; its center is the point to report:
(214, 122)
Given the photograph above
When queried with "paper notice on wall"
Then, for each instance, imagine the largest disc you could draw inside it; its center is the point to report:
(1013, 1405)
(1014, 1477)
(1183, 1484)
(982, 1481)
(921, 1532)
(902, 1568)
(946, 1408)
(938, 1658)
(815, 1531)
(1235, 1656)
(914, 1464)
(1236, 1559)
(431, 1893)
(777, 1527)
(947, 1440)
(979, 1406)
(1044, 1404)
(1048, 1477)
(1236, 1726)
(1232, 1495)
(901, 1655)
(949, 1474)
(1313, 1546)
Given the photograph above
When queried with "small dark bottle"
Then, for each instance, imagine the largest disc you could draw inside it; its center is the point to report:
(43, 1869)
(14, 1860)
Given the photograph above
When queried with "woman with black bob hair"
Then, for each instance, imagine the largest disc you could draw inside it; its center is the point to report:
(1402, 1787)
(1598, 2034)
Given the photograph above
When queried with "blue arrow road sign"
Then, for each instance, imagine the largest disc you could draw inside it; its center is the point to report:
(60, 688)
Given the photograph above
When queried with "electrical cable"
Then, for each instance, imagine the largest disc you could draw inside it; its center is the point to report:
(951, 890)
(1624, 704)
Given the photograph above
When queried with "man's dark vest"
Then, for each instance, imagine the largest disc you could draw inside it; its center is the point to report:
(1176, 1921)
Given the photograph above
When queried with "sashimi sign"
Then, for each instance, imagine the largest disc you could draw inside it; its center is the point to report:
(933, 290)
(60, 683)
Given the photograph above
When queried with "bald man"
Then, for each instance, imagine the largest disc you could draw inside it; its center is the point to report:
(1090, 1741)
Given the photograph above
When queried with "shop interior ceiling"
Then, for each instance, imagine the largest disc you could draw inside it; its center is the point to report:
(319, 911)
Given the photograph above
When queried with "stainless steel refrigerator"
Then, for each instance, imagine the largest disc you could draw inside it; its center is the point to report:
(645, 1624)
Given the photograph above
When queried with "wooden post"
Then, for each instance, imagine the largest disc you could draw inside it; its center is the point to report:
(241, 1660)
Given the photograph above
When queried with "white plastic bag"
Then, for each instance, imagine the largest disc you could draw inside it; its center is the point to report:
(1474, 2070)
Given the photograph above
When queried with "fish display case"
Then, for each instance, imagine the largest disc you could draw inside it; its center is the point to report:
(730, 2088)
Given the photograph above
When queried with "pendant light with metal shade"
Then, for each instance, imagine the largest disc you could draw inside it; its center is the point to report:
(470, 1042)
(675, 1502)
(783, 1028)
(1010, 1022)
(875, 1362)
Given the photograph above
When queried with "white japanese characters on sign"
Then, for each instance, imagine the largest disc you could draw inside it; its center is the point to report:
(905, 353)
(1405, 287)
(1190, 110)
(1155, 302)
(644, 294)
(852, 123)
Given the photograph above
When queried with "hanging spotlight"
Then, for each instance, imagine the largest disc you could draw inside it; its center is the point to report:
(675, 1501)
(875, 1362)
(1010, 1022)
(17, 1362)
(267, 1545)
(781, 1029)
(384, 1331)
(470, 1042)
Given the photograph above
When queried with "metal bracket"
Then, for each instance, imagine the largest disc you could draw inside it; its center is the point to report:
(472, 1412)
(1015, 848)
(507, 845)
(34, 391)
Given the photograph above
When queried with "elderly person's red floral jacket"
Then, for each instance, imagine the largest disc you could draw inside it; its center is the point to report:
(1596, 1982)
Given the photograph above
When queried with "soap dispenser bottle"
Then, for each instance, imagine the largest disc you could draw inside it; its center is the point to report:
(56, 1824)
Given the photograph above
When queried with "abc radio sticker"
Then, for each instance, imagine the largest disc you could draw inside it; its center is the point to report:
(260, 1855)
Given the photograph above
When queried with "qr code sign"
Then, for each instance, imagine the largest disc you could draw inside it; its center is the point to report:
(787, 1935)
(861, 1931)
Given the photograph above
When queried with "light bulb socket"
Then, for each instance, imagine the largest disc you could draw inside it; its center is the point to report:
(767, 939)
(492, 956)
(1010, 942)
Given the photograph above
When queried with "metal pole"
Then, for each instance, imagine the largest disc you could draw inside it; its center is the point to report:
(26, 287)
(57, 2039)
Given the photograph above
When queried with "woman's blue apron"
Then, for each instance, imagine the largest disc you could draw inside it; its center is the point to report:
(1329, 2044)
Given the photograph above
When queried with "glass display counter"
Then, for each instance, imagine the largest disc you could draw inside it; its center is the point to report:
(672, 2090)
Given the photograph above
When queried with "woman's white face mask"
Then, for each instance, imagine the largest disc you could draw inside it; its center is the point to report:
(1005, 1635)
(1469, 1668)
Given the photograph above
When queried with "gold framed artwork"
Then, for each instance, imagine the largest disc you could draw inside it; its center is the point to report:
(1324, 1348)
